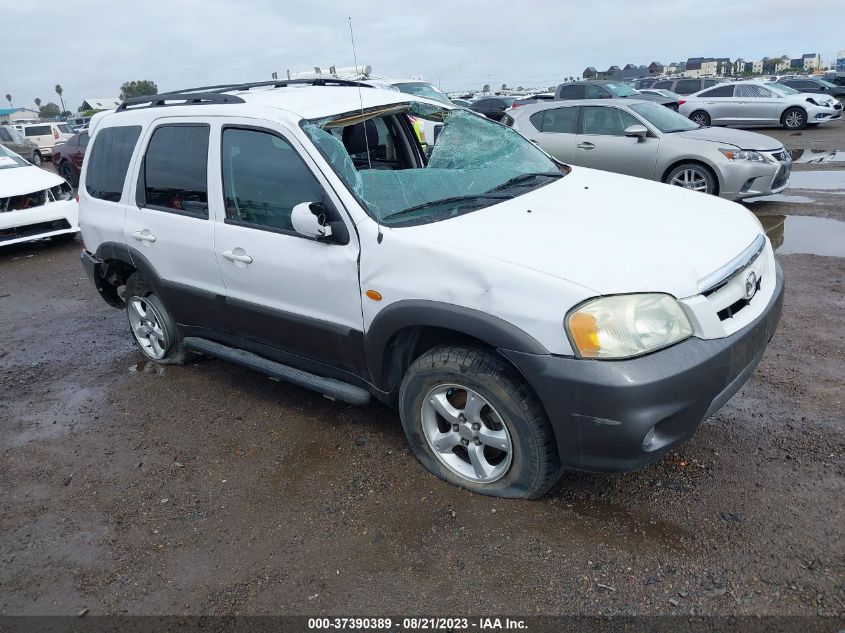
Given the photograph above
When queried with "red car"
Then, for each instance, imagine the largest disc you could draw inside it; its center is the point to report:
(67, 157)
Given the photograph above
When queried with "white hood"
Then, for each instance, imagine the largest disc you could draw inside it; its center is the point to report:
(607, 232)
(16, 181)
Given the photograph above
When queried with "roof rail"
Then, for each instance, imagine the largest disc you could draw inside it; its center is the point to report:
(159, 101)
(217, 94)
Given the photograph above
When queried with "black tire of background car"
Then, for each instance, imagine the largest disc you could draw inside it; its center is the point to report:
(176, 353)
(67, 173)
(705, 118)
(786, 113)
(36, 159)
(536, 464)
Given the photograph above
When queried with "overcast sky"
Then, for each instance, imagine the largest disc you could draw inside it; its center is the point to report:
(184, 43)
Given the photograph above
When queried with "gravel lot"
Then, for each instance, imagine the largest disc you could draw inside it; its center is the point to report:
(128, 488)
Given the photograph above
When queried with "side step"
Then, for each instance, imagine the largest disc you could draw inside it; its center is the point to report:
(329, 387)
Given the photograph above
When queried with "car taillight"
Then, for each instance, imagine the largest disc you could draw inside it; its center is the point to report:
(55, 134)
(681, 102)
(515, 106)
(77, 197)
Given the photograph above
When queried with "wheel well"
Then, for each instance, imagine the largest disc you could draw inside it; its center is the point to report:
(113, 276)
(409, 343)
(699, 110)
(685, 161)
(795, 107)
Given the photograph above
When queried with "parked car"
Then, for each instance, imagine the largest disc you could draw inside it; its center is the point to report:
(748, 104)
(640, 138)
(662, 92)
(47, 134)
(643, 82)
(464, 103)
(68, 156)
(539, 97)
(492, 107)
(12, 139)
(809, 85)
(607, 90)
(504, 302)
(684, 85)
(34, 202)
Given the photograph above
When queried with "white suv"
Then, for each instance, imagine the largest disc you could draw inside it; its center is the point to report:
(523, 315)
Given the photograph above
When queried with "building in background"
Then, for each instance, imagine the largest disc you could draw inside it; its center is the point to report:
(840, 62)
(99, 103)
(13, 115)
(812, 61)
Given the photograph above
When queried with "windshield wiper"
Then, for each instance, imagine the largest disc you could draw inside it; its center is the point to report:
(437, 203)
(523, 178)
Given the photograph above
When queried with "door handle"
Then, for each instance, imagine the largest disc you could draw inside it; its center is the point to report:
(586, 146)
(144, 236)
(242, 257)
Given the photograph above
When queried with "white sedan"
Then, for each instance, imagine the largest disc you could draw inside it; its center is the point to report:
(750, 104)
(34, 202)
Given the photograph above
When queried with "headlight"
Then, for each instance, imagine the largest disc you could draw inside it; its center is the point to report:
(743, 154)
(623, 326)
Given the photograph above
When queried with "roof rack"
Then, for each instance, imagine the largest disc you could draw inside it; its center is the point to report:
(216, 94)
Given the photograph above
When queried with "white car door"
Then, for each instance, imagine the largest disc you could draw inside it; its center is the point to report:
(284, 290)
(757, 105)
(167, 221)
(554, 131)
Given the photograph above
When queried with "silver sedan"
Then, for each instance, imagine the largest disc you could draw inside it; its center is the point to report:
(640, 138)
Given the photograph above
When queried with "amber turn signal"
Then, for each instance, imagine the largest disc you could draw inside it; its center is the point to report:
(374, 295)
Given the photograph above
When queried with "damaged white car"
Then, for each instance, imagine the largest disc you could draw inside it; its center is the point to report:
(34, 203)
(523, 315)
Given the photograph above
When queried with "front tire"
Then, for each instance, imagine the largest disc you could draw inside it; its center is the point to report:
(692, 176)
(794, 119)
(700, 117)
(153, 328)
(36, 159)
(67, 173)
(473, 421)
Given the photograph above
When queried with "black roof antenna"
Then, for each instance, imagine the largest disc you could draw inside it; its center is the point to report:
(363, 121)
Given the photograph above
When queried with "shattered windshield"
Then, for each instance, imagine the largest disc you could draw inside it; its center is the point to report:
(475, 162)
(422, 89)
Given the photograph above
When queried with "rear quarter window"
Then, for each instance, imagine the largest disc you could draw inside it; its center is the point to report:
(38, 130)
(108, 161)
(687, 86)
(720, 91)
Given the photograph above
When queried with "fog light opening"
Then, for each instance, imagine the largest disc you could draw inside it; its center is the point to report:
(748, 184)
(648, 439)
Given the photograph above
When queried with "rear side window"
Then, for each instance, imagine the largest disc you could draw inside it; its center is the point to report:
(687, 86)
(38, 130)
(596, 92)
(721, 91)
(750, 91)
(264, 179)
(64, 128)
(175, 169)
(572, 92)
(559, 120)
(663, 84)
(4, 135)
(108, 161)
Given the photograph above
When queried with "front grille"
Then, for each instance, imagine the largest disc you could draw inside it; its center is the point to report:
(32, 230)
(781, 177)
(780, 156)
(736, 306)
(24, 201)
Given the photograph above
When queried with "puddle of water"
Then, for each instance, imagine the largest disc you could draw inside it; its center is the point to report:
(817, 155)
(817, 180)
(147, 367)
(805, 234)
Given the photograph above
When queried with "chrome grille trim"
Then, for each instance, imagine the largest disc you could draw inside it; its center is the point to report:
(720, 277)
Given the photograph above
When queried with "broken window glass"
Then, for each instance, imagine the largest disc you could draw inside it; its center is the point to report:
(475, 162)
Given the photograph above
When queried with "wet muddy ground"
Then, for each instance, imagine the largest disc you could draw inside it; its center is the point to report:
(126, 487)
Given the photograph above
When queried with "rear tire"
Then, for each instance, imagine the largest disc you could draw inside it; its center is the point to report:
(36, 159)
(700, 117)
(153, 328)
(67, 173)
(794, 119)
(492, 433)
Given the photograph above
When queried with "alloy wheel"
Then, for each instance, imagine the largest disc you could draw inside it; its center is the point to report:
(794, 119)
(466, 433)
(146, 323)
(690, 178)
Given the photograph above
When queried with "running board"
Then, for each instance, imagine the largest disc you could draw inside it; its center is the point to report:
(329, 387)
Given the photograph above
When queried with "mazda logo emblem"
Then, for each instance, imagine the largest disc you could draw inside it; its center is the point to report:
(750, 285)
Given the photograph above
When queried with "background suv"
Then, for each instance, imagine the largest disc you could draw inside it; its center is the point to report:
(684, 86)
(815, 85)
(607, 90)
(12, 139)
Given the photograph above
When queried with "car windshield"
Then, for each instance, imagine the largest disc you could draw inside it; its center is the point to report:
(10, 160)
(781, 89)
(475, 162)
(826, 83)
(664, 119)
(621, 90)
(422, 89)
